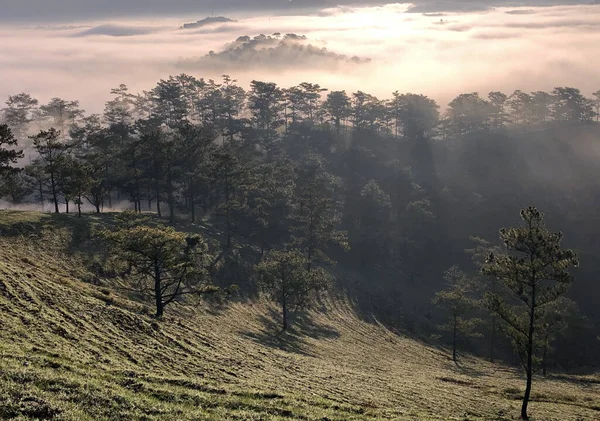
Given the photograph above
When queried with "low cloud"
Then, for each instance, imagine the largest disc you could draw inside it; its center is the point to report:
(520, 12)
(568, 23)
(116, 30)
(494, 35)
(476, 51)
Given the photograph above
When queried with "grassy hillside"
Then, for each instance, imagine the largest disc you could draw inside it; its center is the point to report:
(74, 350)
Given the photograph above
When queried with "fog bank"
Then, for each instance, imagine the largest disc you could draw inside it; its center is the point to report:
(437, 54)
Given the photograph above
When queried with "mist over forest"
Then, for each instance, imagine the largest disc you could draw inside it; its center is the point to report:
(429, 53)
(432, 166)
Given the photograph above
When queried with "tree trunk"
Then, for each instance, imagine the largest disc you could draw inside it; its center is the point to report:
(191, 203)
(158, 293)
(544, 358)
(262, 249)
(79, 207)
(158, 203)
(137, 199)
(284, 309)
(170, 196)
(97, 207)
(159, 307)
(227, 214)
(527, 394)
(529, 368)
(454, 340)
(193, 209)
(41, 190)
(311, 231)
(54, 193)
(67, 206)
(492, 338)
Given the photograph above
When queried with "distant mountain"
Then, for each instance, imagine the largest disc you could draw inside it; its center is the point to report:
(271, 51)
(209, 20)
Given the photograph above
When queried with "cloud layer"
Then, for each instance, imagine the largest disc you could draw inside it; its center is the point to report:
(440, 55)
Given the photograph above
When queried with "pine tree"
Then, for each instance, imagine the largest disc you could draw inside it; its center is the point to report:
(8, 155)
(19, 112)
(194, 145)
(76, 181)
(370, 223)
(266, 105)
(459, 302)
(61, 113)
(535, 269)
(270, 192)
(479, 252)
(283, 275)
(120, 109)
(15, 186)
(498, 109)
(230, 177)
(169, 103)
(554, 322)
(38, 178)
(52, 151)
(338, 108)
(414, 116)
(597, 105)
(165, 264)
(153, 145)
(570, 105)
(314, 215)
(469, 113)
(232, 99)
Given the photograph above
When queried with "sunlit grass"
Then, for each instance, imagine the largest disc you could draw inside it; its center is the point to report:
(72, 350)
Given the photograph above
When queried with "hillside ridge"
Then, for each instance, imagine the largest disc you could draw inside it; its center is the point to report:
(74, 350)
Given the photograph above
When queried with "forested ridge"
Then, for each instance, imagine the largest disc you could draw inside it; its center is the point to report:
(392, 200)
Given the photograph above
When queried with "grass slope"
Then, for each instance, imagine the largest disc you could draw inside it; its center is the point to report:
(71, 350)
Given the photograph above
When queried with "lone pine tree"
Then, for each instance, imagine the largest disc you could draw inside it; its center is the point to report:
(535, 269)
(164, 264)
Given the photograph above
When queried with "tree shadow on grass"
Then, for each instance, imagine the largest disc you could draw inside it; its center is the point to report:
(294, 339)
(466, 369)
(37, 225)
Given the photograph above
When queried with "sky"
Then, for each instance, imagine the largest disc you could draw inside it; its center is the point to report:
(82, 54)
(93, 9)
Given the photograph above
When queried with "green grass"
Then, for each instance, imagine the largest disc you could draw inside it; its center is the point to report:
(73, 350)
